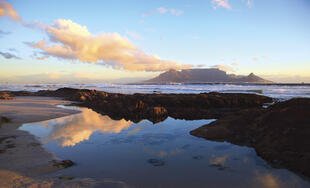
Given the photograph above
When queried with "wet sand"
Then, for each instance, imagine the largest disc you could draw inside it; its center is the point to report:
(33, 109)
(23, 160)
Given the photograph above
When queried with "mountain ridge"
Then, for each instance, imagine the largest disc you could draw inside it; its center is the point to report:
(211, 75)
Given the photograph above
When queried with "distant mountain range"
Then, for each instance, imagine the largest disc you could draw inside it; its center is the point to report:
(204, 76)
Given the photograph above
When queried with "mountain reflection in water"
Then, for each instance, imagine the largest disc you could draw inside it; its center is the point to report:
(154, 155)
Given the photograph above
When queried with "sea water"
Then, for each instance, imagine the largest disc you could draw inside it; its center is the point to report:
(154, 155)
(280, 91)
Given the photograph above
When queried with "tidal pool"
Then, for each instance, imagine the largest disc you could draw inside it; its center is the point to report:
(154, 155)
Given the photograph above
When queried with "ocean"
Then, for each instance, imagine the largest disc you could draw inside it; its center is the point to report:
(279, 91)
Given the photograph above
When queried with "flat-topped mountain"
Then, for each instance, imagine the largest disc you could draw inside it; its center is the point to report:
(211, 75)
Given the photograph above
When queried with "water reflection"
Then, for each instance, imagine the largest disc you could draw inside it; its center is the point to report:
(267, 180)
(74, 129)
(161, 155)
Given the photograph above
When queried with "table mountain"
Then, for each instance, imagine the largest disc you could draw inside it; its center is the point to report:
(204, 76)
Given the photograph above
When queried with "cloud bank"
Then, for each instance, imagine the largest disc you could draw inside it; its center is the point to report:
(69, 40)
(223, 68)
(8, 10)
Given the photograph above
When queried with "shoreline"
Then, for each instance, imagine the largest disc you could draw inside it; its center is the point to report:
(241, 118)
(28, 109)
(23, 159)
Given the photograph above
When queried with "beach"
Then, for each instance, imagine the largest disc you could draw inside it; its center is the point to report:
(25, 161)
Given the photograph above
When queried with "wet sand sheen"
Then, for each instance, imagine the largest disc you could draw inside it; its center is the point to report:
(23, 160)
(33, 109)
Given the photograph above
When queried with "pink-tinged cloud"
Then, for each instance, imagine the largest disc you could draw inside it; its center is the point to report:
(8, 10)
(69, 40)
(224, 68)
(162, 10)
(250, 3)
(176, 12)
(255, 59)
(234, 63)
(220, 3)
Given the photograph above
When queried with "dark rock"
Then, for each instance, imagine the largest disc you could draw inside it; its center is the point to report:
(156, 162)
(5, 138)
(65, 177)
(5, 96)
(4, 120)
(63, 163)
(156, 107)
(280, 134)
(198, 157)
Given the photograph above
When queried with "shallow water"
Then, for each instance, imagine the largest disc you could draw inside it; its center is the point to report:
(154, 155)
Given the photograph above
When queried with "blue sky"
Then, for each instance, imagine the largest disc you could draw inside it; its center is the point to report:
(268, 37)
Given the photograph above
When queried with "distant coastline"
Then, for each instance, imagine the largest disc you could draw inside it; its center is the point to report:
(219, 83)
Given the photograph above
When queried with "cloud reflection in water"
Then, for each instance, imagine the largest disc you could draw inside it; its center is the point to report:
(69, 131)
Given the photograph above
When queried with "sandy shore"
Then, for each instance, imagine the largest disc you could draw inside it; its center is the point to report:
(33, 109)
(23, 160)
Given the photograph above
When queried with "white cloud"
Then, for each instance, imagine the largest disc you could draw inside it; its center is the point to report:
(224, 68)
(176, 12)
(220, 3)
(162, 10)
(69, 40)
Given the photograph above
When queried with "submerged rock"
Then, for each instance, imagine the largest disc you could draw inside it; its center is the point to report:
(63, 163)
(156, 162)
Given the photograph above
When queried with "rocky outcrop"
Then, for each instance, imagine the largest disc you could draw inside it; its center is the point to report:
(5, 96)
(279, 134)
(156, 107)
(4, 120)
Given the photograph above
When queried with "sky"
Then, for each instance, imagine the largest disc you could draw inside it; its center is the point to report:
(131, 40)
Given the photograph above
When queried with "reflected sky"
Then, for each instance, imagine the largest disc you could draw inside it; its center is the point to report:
(154, 155)
(74, 129)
